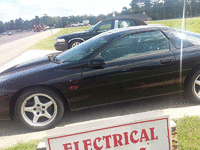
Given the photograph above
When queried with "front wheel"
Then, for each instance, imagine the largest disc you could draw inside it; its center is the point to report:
(74, 44)
(193, 86)
(39, 108)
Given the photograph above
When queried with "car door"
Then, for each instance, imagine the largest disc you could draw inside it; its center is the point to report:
(145, 65)
(136, 65)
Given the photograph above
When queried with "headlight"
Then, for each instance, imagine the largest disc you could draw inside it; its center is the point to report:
(61, 40)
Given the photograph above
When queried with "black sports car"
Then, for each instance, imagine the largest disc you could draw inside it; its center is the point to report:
(68, 41)
(118, 65)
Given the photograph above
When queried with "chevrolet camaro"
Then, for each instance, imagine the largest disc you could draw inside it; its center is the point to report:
(117, 65)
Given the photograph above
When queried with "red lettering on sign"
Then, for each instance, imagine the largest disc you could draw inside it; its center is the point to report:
(107, 140)
(67, 146)
(76, 145)
(126, 138)
(95, 143)
(87, 143)
(131, 137)
(117, 140)
(144, 135)
(152, 134)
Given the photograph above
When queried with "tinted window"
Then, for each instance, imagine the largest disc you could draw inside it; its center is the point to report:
(126, 23)
(175, 37)
(84, 49)
(136, 44)
(106, 26)
(94, 27)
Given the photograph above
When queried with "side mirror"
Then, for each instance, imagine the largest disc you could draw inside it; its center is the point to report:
(96, 62)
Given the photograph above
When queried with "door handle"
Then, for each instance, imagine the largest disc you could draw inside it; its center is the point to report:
(166, 61)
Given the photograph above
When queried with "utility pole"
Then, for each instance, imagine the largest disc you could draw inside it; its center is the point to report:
(189, 2)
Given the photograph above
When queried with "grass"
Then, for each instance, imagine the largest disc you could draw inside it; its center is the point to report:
(31, 145)
(191, 24)
(48, 43)
(188, 131)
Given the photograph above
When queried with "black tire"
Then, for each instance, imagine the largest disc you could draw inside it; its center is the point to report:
(74, 43)
(193, 86)
(39, 108)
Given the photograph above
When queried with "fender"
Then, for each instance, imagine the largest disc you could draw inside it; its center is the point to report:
(76, 39)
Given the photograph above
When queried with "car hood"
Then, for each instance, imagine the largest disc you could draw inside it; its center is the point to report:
(30, 73)
(27, 65)
(73, 34)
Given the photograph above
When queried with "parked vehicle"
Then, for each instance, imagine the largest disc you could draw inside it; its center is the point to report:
(86, 22)
(115, 66)
(75, 24)
(38, 27)
(68, 41)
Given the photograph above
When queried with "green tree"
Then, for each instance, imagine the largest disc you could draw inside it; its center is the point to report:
(2, 27)
(19, 24)
(135, 6)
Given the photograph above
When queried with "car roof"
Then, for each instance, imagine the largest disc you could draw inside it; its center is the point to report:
(137, 21)
(134, 29)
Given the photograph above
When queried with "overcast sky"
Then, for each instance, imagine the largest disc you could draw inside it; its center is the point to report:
(28, 9)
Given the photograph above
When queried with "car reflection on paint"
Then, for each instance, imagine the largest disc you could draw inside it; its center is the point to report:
(71, 40)
(118, 65)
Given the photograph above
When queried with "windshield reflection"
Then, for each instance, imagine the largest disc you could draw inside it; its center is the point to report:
(94, 27)
(84, 49)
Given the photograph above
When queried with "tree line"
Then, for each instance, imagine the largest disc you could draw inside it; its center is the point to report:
(156, 9)
(164, 9)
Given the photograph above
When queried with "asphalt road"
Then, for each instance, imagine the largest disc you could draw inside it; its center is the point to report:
(10, 38)
(19, 45)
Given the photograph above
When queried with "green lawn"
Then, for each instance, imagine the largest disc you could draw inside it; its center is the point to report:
(188, 131)
(48, 43)
(191, 24)
(31, 145)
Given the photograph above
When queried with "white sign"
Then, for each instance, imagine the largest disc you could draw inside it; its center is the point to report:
(151, 134)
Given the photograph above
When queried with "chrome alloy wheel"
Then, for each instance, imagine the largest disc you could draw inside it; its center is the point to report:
(39, 109)
(75, 44)
(196, 86)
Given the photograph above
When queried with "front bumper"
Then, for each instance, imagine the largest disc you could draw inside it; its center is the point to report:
(61, 46)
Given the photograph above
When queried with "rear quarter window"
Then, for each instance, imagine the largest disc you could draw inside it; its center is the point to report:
(175, 37)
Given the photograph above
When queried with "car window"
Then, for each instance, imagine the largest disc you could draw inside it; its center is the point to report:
(134, 45)
(126, 23)
(84, 49)
(95, 26)
(175, 37)
(106, 26)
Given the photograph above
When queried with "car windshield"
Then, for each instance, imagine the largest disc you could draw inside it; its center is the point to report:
(84, 49)
(94, 27)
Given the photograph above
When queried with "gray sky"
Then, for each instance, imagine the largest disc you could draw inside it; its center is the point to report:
(28, 9)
